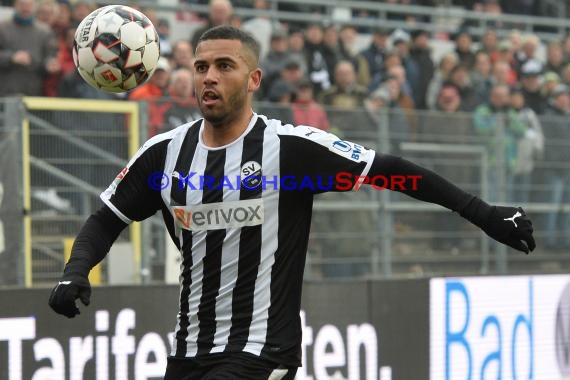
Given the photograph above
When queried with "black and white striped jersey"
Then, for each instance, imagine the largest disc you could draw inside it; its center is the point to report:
(240, 215)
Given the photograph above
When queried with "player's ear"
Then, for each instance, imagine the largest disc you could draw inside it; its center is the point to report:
(254, 80)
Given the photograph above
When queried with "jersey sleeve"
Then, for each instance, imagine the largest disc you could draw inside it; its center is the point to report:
(322, 160)
(134, 195)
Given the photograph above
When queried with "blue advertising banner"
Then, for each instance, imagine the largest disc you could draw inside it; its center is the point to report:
(513, 327)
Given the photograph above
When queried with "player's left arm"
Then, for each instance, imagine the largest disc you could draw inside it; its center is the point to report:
(308, 151)
(508, 225)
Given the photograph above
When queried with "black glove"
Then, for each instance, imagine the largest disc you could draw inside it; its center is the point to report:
(507, 225)
(70, 288)
(510, 226)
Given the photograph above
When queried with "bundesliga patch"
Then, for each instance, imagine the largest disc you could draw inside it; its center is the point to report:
(119, 177)
(348, 150)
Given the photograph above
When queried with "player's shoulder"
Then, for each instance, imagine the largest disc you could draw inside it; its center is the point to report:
(307, 137)
(162, 140)
(301, 131)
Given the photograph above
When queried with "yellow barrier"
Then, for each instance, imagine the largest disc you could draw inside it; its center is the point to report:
(76, 105)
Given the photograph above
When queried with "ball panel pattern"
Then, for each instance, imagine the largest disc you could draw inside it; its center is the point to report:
(116, 48)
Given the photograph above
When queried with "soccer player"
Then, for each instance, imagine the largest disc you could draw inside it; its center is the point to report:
(243, 245)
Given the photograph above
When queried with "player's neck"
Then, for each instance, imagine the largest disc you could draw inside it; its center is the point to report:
(224, 134)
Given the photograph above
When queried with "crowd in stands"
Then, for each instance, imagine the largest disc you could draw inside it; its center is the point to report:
(316, 72)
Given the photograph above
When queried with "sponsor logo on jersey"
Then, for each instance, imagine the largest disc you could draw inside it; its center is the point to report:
(347, 149)
(221, 215)
(251, 174)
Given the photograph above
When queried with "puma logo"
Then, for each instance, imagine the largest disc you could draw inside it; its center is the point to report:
(512, 218)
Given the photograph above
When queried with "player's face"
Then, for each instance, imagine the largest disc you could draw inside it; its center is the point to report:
(224, 78)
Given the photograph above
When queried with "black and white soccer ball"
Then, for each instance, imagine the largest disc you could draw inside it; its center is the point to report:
(116, 48)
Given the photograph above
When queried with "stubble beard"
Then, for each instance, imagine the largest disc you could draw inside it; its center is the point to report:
(228, 113)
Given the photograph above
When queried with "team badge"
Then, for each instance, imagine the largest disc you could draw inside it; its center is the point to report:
(251, 174)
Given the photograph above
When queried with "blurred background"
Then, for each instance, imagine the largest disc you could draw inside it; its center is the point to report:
(477, 92)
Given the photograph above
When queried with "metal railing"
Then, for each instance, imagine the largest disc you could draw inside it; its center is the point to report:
(437, 19)
(358, 234)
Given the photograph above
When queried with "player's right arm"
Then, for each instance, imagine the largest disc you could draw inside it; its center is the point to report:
(129, 198)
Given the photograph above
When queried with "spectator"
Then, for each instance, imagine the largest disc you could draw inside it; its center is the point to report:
(448, 100)
(331, 48)
(402, 118)
(530, 148)
(486, 119)
(507, 55)
(554, 57)
(375, 54)
(490, 44)
(180, 107)
(481, 76)
(345, 93)
(163, 30)
(503, 74)
(448, 124)
(446, 64)
(220, 13)
(260, 26)
(152, 92)
(296, 45)
(515, 40)
(235, 21)
(377, 101)
(81, 9)
(464, 48)
(493, 7)
(399, 73)
(347, 48)
(62, 19)
(420, 53)
(527, 51)
(551, 81)
(182, 55)
(306, 111)
(401, 45)
(346, 99)
(65, 63)
(460, 78)
(46, 12)
(291, 74)
(317, 69)
(391, 59)
(555, 126)
(565, 75)
(566, 48)
(280, 97)
(275, 58)
(347, 42)
(531, 72)
(27, 52)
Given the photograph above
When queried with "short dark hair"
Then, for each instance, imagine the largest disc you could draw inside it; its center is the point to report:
(226, 32)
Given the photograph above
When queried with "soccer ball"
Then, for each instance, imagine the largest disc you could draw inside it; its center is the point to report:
(116, 48)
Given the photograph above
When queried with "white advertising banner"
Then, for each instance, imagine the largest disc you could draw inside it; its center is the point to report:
(500, 328)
